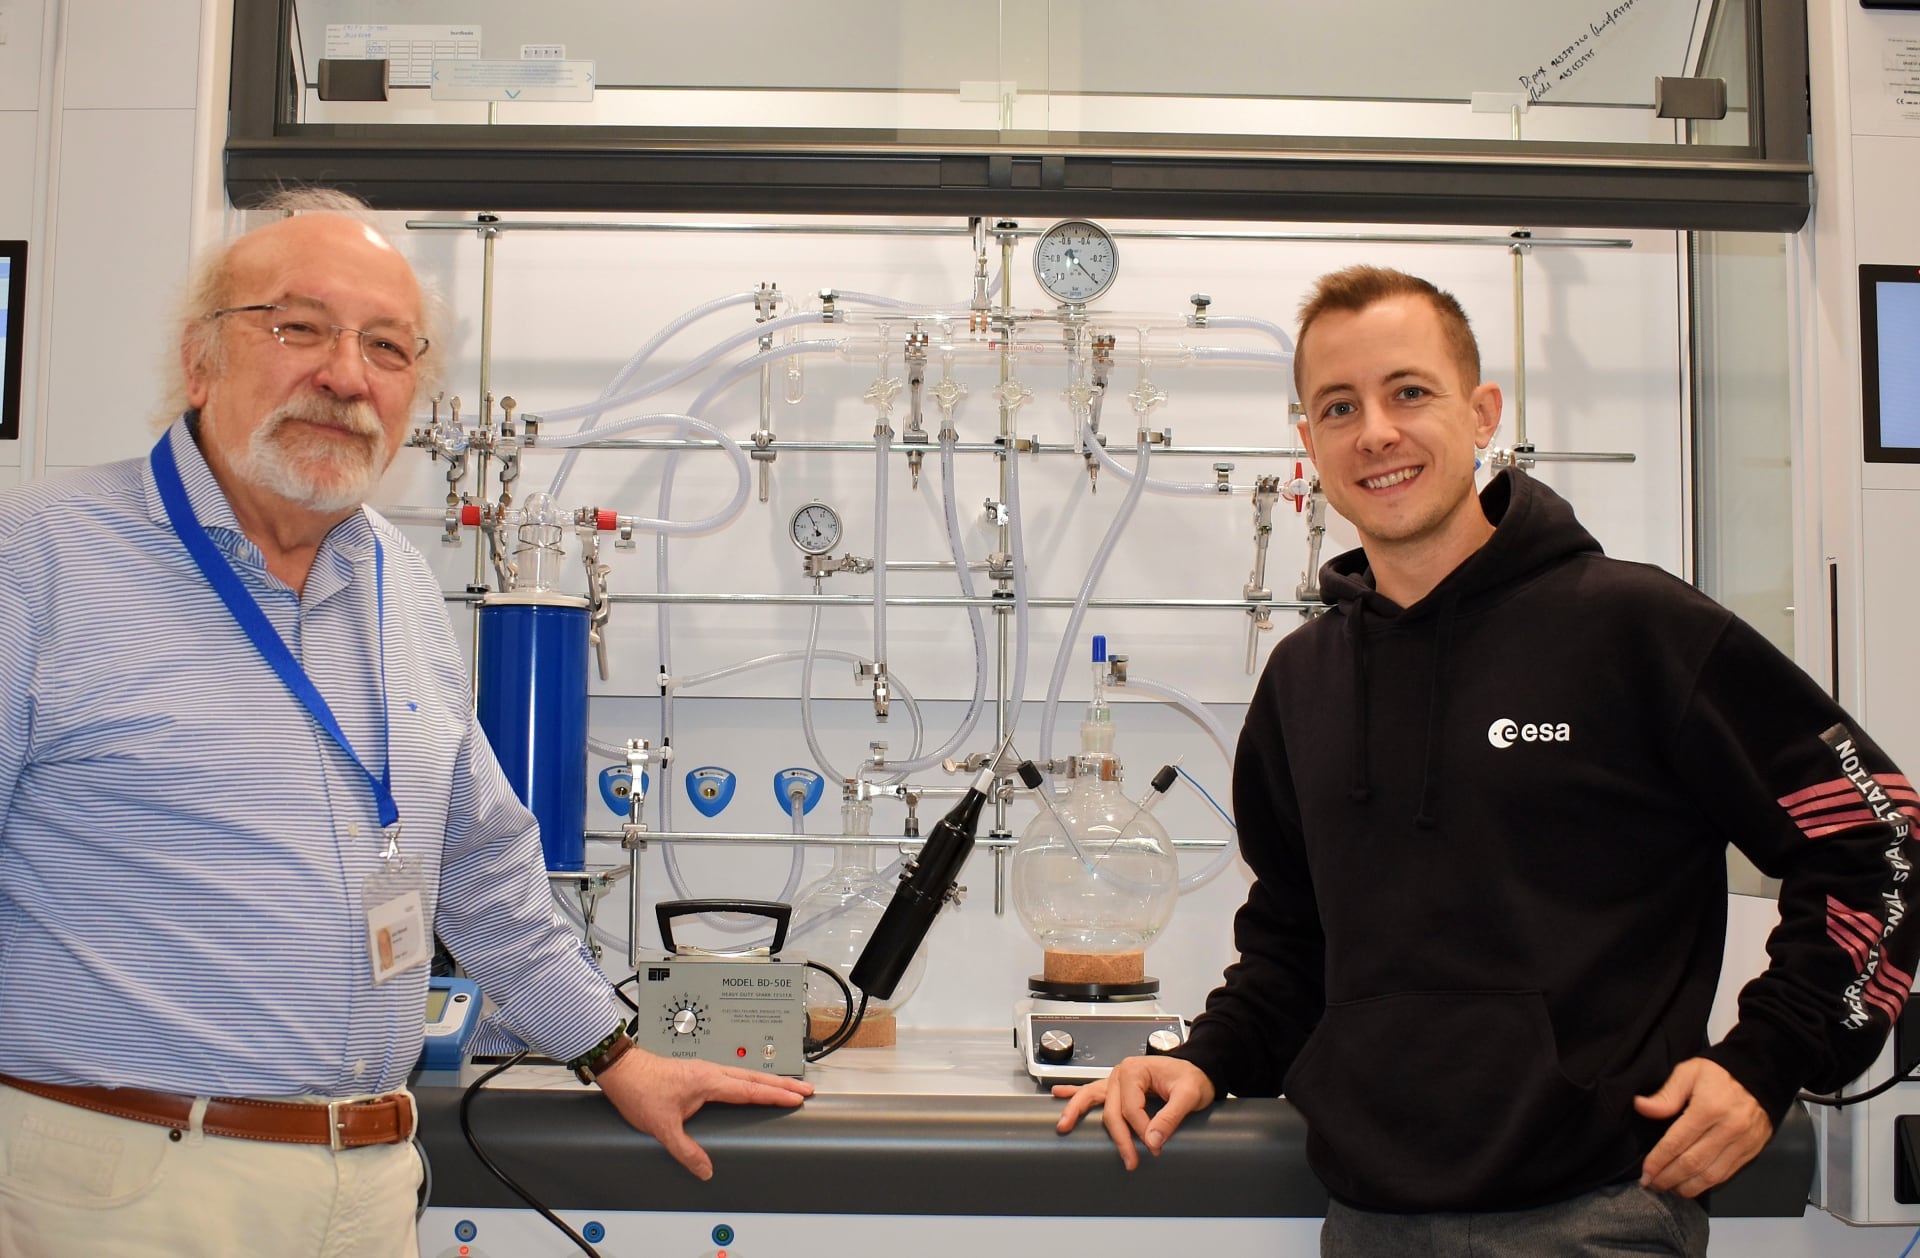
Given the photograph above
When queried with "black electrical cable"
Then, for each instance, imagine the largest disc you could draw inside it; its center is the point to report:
(1838, 1102)
(814, 1050)
(466, 1129)
(840, 1041)
(623, 996)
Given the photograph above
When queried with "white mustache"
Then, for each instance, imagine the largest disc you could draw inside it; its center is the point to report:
(354, 417)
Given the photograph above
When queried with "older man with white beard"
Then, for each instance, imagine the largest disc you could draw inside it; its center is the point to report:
(241, 788)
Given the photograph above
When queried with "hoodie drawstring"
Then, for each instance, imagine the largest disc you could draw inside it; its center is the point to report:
(1363, 754)
(1428, 816)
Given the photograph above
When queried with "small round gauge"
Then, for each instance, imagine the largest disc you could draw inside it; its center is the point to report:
(1075, 261)
(815, 528)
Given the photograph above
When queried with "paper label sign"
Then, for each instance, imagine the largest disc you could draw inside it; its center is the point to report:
(513, 80)
(410, 51)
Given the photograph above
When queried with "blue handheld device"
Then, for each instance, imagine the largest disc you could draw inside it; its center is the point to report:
(453, 1011)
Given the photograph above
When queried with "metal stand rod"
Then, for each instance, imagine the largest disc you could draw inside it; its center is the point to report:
(884, 229)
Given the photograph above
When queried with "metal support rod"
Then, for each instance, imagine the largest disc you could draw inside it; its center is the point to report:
(1007, 232)
(769, 839)
(1027, 445)
(1519, 251)
(633, 906)
(915, 600)
(886, 229)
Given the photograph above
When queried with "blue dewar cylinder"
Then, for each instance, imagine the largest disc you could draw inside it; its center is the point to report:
(532, 703)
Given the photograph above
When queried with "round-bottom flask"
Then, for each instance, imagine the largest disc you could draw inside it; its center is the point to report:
(1095, 879)
(833, 919)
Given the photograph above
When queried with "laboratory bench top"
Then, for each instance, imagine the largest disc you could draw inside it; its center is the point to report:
(947, 1123)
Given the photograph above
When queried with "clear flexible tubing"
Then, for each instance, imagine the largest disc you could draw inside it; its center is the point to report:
(1070, 639)
(806, 705)
(952, 313)
(1091, 444)
(1197, 712)
(731, 376)
(592, 411)
(1274, 330)
(634, 363)
(687, 371)
(882, 448)
(950, 507)
(1226, 354)
(662, 582)
(663, 614)
(682, 424)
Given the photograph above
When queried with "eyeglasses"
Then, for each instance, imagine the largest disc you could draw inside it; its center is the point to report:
(386, 350)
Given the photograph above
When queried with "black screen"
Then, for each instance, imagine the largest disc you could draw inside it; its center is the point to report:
(13, 296)
(1890, 363)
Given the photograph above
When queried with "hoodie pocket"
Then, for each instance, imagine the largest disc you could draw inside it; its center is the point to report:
(1450, 1101)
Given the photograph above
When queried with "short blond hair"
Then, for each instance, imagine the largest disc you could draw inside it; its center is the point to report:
(1358, 287)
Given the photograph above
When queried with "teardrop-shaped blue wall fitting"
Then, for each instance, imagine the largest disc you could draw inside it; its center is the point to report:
(710, 788)
(787, 780)
(616, 783)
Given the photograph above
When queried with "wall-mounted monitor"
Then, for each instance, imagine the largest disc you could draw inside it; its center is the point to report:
(13, 300)
(1890, 363)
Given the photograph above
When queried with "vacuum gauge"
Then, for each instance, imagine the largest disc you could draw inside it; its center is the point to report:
(1075, 261)
(815, 528)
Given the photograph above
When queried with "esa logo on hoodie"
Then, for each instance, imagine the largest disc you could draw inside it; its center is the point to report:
(1504, 733)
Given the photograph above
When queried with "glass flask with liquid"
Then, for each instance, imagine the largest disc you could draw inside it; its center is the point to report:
(1095, 876)
(834, 918)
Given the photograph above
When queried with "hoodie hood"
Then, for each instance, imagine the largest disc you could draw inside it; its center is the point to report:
(1534, 528)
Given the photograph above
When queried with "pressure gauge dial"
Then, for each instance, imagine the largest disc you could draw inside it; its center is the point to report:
(1075, 261)
(815, 528)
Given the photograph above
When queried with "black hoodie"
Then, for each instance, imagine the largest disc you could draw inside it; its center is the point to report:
(1488, 839)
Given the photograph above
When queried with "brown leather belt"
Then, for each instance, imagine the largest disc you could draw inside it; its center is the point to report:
(388, 1119)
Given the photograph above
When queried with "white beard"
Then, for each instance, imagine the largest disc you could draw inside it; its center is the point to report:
(320, 474)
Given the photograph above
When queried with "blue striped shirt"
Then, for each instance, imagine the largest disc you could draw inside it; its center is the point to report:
(183, 850)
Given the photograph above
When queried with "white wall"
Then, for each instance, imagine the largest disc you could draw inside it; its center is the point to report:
(100, 115)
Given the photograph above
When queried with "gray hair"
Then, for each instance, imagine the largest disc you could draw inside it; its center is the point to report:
(201, 348)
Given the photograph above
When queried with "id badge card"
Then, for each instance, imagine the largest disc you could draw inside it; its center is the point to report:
(396, 923)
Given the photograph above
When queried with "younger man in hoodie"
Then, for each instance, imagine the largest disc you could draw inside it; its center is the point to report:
(1485, 799)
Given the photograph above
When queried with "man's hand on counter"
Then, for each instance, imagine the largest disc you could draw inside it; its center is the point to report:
(1123, 1096)
(658, 1094)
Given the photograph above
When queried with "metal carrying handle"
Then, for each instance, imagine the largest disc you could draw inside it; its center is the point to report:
(667, 910)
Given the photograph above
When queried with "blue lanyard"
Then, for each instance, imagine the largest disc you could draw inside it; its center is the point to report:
(226, 583)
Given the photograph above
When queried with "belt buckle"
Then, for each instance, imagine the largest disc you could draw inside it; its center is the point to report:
(336, 1141)
(335, 1125)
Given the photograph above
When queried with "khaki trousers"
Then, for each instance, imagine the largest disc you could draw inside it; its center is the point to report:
(76, 1184)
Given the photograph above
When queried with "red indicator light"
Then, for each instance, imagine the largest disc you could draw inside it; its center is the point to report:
(740, 1052)
(464, 1251)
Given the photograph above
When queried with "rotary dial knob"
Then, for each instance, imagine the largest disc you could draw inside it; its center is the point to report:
(1165, 1040)
(684, 1017)
(1056, 1047)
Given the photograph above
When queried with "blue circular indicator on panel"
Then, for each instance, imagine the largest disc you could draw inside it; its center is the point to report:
(723, 1235)
(465, 1230)
(594, 1232)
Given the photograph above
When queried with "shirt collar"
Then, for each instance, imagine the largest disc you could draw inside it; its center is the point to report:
(350, 541)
